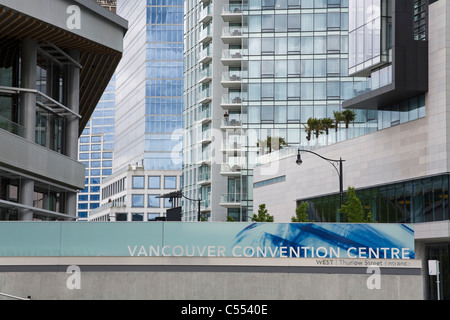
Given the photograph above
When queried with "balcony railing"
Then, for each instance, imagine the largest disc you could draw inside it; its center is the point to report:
(205, 75)
(232, 76)
(204, 95)
(232, 99)
(206, 13)
(204, 114)
(205, 54)
(235, 123)
(233, 54)
(232, 198)
(206, 34)
(12, 127)
(205, 205)
(204, 176)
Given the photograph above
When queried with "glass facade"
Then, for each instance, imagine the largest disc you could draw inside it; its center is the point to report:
(96, 150)
(296, 68)
(415, 201)
(164, 85)
(370, 33)
(50, 124)
(281, 63)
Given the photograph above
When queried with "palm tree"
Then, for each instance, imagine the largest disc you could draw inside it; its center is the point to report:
(316, 126)
(327, 123)
(338, 117)
(349, 116)
(278, 143)
(308, 129)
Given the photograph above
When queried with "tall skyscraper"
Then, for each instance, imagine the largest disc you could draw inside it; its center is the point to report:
(96, 149)
(96, 143)
(149, 108)
(257, 71)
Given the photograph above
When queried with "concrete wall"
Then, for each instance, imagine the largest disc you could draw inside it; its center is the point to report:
(204, 279)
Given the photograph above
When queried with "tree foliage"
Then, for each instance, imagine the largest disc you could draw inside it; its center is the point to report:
(263, 215)
(353, 209)
(301, 214)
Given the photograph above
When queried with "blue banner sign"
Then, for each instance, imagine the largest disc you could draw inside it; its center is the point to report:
(222, 239)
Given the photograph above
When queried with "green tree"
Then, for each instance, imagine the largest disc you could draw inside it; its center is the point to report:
(313, 125)
(327, 124)
(308, 129)
(349, 116)
(338, 117)
(273, 143)
(300, 213)
(263, 215)
(353, 208)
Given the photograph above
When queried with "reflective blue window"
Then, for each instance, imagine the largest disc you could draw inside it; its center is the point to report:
(137, 200)
(153, 201)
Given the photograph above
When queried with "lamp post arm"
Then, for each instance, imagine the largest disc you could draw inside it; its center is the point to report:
(199, 205)
(339, 171)
(332, 160)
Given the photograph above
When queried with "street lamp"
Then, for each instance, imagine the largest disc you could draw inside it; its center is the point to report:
(199, 205)
(179, 194)
(334, 163)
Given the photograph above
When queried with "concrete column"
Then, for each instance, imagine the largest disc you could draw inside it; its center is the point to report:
(26, 195)
(73, 102)
(28, 81)
(28, 117)
(72, 125)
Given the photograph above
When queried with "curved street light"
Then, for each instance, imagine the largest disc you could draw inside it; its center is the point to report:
(334, 163)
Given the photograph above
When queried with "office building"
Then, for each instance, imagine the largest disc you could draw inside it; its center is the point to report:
(96, 143)
(269, 66)
(134, 194)
(55, 64)
(149, 108)
(96, 149)
(400, 172)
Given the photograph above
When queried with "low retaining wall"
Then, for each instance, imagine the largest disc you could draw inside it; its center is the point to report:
(203, 278)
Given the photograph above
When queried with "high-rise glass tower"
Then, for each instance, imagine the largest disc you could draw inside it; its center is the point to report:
(148, 113)
(256, 71)
(96, 143)
(95, 151)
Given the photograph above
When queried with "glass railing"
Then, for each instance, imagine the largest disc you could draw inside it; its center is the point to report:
(232, 8)
(12, 127)
(232, 32)
(206, 135)
(231, 123)
(204, 176)
(232, 197)
(205, 73)
(233, 53)
(378, 79)
(232, 98)
(204, 94)
(232, 76)
(204, 114)
(205, 33)
(205, 11)
(205, 52)
(230, 168)
(205, 204)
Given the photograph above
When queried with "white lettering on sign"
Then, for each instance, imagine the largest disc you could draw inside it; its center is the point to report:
(267, 252)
